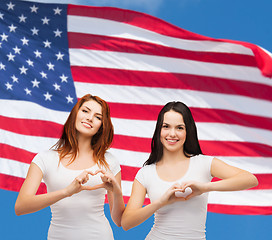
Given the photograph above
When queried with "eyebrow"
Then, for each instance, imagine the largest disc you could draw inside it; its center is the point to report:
(91, 110)
(182, 124)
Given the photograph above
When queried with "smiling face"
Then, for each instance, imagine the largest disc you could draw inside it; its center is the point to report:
(173, 132)
(89, 118)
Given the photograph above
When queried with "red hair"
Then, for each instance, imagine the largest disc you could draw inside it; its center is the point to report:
(100, 142)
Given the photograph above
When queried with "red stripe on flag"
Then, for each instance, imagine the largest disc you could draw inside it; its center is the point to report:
(128, 173)
(35, 127)
(213, 148)
(265, 181)
(239, 210)
(8, 182)
(171, 80)
(13, 153)
(105, 43)
(141, 20)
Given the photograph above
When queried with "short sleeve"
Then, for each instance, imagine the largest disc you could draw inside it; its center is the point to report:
(39, 161)
(140, 176)
(113, 163)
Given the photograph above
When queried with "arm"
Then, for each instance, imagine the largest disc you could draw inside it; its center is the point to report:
(233, 179)
(116, 200)
(135, 214)
(29, 202)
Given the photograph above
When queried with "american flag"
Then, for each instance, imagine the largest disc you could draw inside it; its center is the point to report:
(53, 54)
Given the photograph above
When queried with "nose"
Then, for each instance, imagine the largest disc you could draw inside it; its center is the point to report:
(172, 132)
(90, 117)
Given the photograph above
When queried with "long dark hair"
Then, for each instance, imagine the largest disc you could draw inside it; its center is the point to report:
(191, 145)
(101, 141)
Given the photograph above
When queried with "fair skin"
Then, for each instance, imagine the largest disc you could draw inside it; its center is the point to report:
(172, 166)
(88, 122)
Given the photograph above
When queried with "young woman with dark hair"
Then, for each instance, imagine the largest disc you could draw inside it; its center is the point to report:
(177, 178)
(78, 172)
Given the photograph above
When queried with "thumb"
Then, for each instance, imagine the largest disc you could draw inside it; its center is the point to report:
(93, 187)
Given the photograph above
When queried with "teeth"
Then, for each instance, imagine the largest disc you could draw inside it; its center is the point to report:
(86, 124)
(171, 140)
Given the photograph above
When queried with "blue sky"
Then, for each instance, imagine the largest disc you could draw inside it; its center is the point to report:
(243, 20)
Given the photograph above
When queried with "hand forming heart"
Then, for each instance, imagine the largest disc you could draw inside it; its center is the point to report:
(185, 193)
(78, 183)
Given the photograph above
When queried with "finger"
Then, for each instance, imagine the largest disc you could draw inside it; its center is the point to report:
(79, 180)
(102, 185)
(100, 171)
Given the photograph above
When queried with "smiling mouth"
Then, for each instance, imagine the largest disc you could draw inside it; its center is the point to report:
(87, 125)
(172, 140)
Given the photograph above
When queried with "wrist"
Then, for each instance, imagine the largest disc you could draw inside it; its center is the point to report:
(208, 187)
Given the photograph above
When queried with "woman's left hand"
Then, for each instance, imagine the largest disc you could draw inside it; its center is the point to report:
(197, 188)
(109, 181)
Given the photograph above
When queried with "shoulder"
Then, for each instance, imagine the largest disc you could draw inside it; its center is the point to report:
(113, 162)
(202, 158)
(49, 154)
(145, 171)
(45, 159)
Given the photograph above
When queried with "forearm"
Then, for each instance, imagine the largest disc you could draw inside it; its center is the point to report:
(133, 217)
(32, 203)
(118, 207)
(241, 181)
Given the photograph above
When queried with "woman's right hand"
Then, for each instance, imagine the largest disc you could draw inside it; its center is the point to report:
(78, 183)
(169, 196)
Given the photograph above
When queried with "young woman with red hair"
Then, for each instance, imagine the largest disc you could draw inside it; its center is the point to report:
(78, 172)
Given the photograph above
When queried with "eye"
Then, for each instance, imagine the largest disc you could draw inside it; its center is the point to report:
(99, 118)
(181, 127)
(85, 111)
(164, 126)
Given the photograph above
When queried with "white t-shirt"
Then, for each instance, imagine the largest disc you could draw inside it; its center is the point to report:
(80, 216)
(184, 219)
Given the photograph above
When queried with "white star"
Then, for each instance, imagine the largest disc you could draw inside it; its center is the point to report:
(34, 9)
(57, 87)
(47, 44)
(25, 41)
(57, 11)
(69, 99)
(60, 56)
(10, 6)
(11, 57)
(9, 86)
(23, 70)
(63, 78)
(47, 96)
(44, 75)
(28, 92)
(30, 63)
(45, 20)
(22, 18)
(12, 28)
(50, 66)
(17, 50)
(38, 54)
(2, 66)
(35, 83)
(34, 31)
(2, 16)
(14, 78)
(4, 37)
(58, 33)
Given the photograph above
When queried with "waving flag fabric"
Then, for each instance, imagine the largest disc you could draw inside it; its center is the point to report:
(53, 54)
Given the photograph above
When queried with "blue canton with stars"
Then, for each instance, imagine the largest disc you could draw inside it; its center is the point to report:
(34, 57)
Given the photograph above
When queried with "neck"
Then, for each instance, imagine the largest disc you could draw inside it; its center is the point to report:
(173, 156)
(84, 145)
